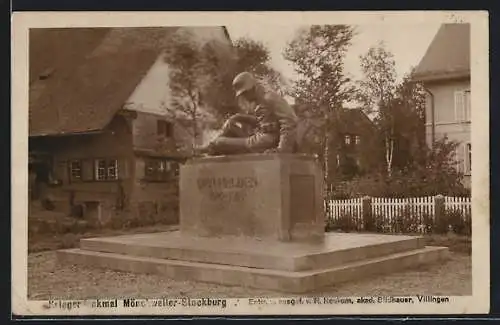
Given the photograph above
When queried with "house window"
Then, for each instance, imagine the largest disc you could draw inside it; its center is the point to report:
(469, 159)
(112, 169)
(106, 169)
(347, 139)
(357, 139)
(75, 170)
(164, 128)
(462, 105)
(159, 170)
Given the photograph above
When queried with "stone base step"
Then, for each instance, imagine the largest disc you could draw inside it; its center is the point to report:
(278, 280)
(337, 249)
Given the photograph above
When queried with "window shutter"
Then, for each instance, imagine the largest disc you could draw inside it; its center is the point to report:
(467, 105)
(170, 130)
(469, 156)
(87, 170)
(465, 160)
(459, 106)
(123, 168)
(459, 159)
(61, 171)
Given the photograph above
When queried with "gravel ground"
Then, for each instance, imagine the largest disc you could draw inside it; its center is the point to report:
(47, 279)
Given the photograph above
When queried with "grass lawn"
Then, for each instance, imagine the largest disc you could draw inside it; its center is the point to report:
(54, 241)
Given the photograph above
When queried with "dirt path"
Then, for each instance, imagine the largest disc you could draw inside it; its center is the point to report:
(47, 279)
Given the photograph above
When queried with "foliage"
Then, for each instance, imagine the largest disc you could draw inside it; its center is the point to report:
(437, 175)
(189, 76)
(317, 54)
(408, 110)
(376, 92)
(377, 88)
(254, 57)
(398, 109)
(201, 75)
(345, 222)
(454, 220)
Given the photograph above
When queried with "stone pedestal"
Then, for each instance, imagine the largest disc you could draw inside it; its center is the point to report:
(255, 221)
(262, 196)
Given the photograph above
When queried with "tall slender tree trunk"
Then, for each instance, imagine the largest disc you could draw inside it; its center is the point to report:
(194, 120)
(195, 130)
(389, 150)
(326, 154)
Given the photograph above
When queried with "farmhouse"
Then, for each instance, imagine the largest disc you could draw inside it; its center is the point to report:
(100, 139)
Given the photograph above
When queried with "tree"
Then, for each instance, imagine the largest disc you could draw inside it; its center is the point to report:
(255, 57)
(321, 88)
(218, 70)
(201, 78)
(408, 110)
(186, 63)
(376, 93)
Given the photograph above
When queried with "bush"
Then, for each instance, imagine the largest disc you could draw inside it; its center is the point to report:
(69, 241)
(380, 224)
(454, 220)
(146, 215)
(345, 222)
(47, 204)
(400, 185)
(406, 221)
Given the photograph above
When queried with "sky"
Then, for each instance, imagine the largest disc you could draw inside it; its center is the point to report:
(408, 42)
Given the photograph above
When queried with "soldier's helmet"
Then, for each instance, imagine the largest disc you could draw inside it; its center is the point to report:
(243, 82)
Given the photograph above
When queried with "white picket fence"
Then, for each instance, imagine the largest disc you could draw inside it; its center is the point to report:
(352, 207)
(463, 204)
(385, 210)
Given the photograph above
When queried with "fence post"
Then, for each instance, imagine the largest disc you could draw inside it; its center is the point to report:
(439, 210)
(366, 208)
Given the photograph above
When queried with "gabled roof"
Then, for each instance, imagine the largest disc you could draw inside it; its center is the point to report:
(351, 120)
(448, 55)
(81, 77)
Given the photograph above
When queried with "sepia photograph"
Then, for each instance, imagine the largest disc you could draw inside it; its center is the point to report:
(250, 163)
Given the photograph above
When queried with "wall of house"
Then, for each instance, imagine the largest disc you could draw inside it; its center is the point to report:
(153, 95)
(141, 198)
(345, 159)
(113, 143)
(446, 123)
(145, 133)
(153, 198)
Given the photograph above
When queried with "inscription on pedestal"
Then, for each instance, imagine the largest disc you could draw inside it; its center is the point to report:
(226, 189)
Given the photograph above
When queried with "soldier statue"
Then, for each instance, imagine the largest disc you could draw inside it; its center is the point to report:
(268, 123)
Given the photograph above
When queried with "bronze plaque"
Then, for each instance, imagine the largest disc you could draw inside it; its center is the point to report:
(302, 199)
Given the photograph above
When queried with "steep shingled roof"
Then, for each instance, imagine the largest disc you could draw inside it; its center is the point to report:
(448, 55)
(80, 77)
